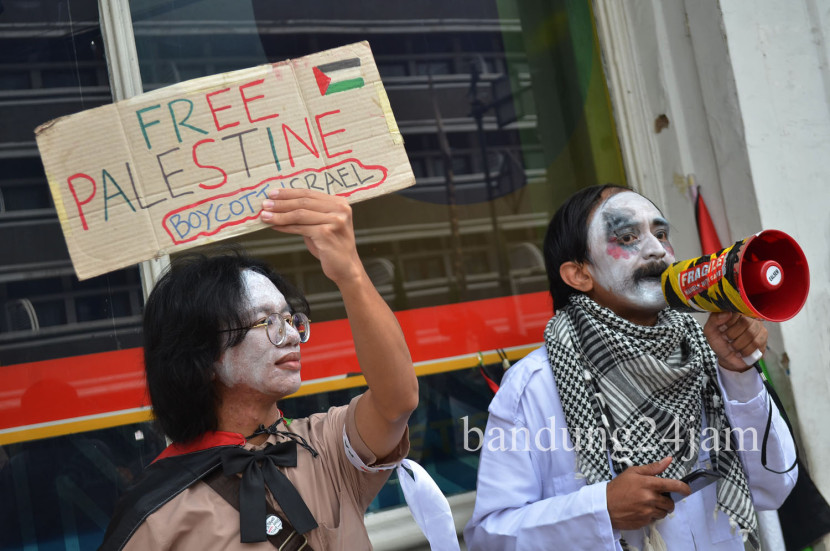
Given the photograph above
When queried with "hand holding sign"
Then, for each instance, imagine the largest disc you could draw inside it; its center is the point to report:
(325, 222)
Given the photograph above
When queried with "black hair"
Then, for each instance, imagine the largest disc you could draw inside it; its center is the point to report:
(566, 239)
(194, 301)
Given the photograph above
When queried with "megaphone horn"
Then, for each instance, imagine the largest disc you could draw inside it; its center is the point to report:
(763, 276)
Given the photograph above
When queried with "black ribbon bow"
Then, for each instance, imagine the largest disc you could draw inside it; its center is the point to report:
(252, 488)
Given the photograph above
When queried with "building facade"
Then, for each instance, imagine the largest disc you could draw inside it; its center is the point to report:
(506, 107)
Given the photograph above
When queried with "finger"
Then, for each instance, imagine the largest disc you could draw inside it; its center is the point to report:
(669, 485)
(719, 318)
(285, 199)
(298, 229)
(729, 322)
(731, 327)
(300, 217)
(664, 504)
(716, 325)
(750, 345)
(738, 325)
(659, 514)
(324, 203)
(653, 468)
(711, 330)
(744, 339)
(735, 318)
(295, 193)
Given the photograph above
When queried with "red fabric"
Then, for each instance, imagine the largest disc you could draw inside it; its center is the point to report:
(494, 387)
(207, 440)
(709, 240)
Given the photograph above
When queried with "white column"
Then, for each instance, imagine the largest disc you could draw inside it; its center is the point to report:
(780, 54)
(125, 81)
(745, 87)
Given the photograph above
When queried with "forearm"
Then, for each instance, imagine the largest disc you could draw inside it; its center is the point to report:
(325, 222)
(381, 349)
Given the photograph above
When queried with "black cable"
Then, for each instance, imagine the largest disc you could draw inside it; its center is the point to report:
(775, 399)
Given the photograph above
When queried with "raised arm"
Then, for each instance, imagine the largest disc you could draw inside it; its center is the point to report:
(325, 222)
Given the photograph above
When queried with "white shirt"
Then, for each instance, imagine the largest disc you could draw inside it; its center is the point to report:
(530, 496)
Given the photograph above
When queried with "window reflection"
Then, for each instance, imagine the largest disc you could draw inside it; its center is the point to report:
(437, 64)
(59, 493)
(469, 229)
(464, 80)
(437, 437)
(51, 64)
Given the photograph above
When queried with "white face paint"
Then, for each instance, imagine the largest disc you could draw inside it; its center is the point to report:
(255, 362)
(628, 249)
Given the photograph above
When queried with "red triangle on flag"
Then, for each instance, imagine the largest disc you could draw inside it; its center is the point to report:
(709, 241)
(322, 80)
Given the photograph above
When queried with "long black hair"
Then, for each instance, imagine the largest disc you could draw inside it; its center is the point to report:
(566, 239)
(190, 306)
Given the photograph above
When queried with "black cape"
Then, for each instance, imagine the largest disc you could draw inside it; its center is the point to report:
(160, 482)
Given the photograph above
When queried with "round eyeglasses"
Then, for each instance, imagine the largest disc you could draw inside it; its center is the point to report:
(276, 326)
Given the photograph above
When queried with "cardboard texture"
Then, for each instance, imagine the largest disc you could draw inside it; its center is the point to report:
(190, 163)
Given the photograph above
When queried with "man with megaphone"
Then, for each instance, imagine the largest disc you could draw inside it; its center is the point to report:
(632, 427)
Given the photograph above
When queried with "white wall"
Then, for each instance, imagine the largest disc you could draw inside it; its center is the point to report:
(745, 85)
(779, 52)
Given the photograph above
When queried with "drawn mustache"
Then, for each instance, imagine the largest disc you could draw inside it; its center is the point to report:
(651, 270)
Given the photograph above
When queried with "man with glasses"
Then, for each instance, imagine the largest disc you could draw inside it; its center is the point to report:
(223, 339)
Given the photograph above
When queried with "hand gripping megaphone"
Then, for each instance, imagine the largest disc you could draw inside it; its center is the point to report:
(763, 276)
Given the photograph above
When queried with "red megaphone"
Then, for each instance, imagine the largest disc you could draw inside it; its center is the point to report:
(764, 276)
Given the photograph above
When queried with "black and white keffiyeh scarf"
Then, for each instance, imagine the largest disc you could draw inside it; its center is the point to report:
(642, 388)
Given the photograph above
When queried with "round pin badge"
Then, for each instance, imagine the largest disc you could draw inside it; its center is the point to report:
(273, 525)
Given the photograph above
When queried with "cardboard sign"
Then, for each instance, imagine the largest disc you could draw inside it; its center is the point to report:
(191, 163)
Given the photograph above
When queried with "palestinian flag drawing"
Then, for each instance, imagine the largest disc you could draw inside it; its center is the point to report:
(339, 76)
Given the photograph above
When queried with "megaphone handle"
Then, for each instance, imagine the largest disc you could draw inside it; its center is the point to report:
(752, 358)
(774, 397)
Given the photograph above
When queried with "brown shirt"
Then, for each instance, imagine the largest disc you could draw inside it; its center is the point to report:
(336, 492)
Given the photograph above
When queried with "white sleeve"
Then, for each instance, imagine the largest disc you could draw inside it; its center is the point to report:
(428, 506)
(357, 462)
(512, 514)
(747, 404)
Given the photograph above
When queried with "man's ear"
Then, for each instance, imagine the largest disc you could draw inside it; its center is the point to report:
(576, 275)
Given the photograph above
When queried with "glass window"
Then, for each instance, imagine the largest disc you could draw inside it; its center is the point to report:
(59, 493)
(46, 313)
(504, 111)
(503, 108)
(67, 348)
